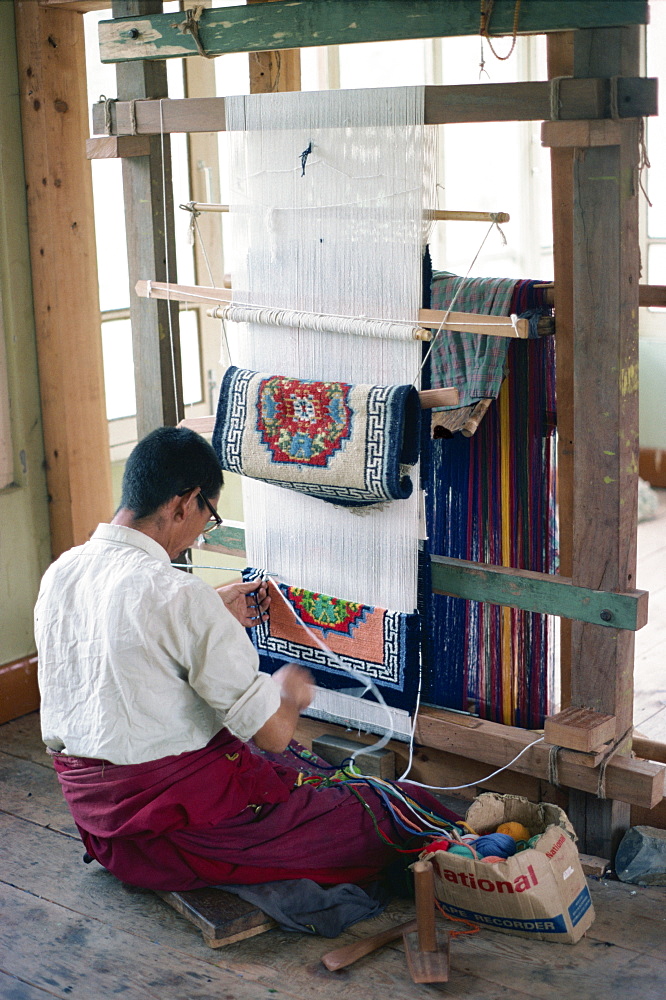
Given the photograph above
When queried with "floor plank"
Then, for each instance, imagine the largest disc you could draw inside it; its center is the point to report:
(54, 949)
(32, 792)
(14, 989)
(23, 738)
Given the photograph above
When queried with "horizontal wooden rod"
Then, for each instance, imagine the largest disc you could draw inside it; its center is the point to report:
(649, 749)
(340, 22)
(626, 779)
(493, 326)
(436, 214)
(543, 592)
(584, 98)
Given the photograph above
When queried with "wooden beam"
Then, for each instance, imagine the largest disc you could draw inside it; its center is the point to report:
(530, 591)
(296, 25)
(117, 146)
(603, 132)
(148, 199)
(444, 105)
(626, 780)
(648, 295)
(542, 592)
(52, 80)
(606, 276)
(78, 6)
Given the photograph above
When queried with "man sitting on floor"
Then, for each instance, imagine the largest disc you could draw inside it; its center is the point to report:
(150, 690)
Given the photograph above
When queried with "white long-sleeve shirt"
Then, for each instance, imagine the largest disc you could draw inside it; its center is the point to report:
(138, 660)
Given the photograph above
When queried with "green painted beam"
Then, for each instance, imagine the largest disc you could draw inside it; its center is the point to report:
(514, 588)
(227, 538)
(338, 22)
(549, 594)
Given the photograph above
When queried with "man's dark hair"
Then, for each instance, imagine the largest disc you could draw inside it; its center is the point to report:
(167, 463)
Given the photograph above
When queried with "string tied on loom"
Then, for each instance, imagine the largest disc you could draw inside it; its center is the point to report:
(107, 102)
(190, 26)
(484, 29)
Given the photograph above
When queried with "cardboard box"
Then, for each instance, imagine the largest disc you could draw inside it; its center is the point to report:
(540, 893)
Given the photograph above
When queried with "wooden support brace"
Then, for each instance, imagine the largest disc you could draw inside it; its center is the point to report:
(579, 729)
(340, 22)
(544, 592)
(560, 134)
(117, 146)
(626, 779)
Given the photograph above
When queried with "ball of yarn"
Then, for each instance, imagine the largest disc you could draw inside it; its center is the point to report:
(498, 844)
(462, 850)
(491, 859)
(437, 845)
(533, 840)
(515, 830)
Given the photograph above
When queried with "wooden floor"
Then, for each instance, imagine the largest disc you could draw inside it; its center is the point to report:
(70, 930)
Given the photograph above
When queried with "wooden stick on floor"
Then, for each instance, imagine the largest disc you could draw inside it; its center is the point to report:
(427, 951)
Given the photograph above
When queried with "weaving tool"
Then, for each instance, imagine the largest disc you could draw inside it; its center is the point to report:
(426, 949)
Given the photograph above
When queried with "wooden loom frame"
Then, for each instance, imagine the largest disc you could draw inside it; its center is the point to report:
(596, 248)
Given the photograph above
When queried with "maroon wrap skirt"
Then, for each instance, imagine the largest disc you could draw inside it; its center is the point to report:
(225, 815)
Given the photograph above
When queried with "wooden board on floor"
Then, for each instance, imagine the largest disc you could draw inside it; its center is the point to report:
(222, 917)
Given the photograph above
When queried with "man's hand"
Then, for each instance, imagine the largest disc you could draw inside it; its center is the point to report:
(296, 693)
(296, 684)
(248, 602)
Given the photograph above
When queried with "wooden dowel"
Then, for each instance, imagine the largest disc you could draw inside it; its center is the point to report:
(649, 749)
(492, 326)
(424, 888)
(436, 214)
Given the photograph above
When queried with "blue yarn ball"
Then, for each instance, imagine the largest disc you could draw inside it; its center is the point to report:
(499, 845)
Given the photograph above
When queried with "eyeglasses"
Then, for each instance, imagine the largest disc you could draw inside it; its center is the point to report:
(214, 517)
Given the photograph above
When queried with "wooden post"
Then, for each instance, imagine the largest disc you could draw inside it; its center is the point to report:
(605, 269)
(151, 248)
(560, 63)
(274, 72)
(52, 81)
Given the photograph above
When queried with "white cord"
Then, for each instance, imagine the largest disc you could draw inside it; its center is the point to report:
(166, 260)
(478, 781)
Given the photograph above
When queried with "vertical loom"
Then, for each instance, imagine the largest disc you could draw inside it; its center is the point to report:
(590, 108)
(329, 195)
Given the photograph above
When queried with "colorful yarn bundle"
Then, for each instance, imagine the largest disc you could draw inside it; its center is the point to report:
(491, 499)
(515, 830)
(507, 840)
(407, 814)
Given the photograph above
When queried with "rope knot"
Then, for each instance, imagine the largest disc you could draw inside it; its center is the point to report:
(190, 26)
